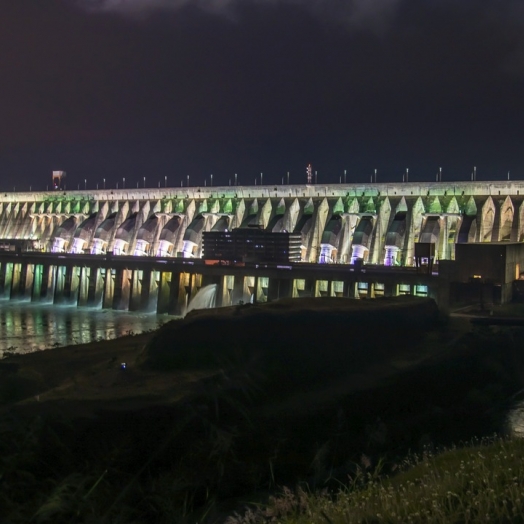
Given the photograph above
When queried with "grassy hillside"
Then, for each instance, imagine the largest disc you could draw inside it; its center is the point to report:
(481, 482)
(226, 405)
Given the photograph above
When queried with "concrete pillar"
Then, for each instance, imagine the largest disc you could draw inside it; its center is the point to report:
(6, 276)
(172, 295)
(224, 291)
(279, 288)
(71, 285)
(96, 287)
(37, 283)
(109, 287)
(390, 289)
(43, 283)
(22, 280)
(352, 290)
(135, 295)
(15, 282)
(150, 287)
(122, 289)
(240, 290)
(163, 292)
(294, 289)
(59, 278)
(83, 286)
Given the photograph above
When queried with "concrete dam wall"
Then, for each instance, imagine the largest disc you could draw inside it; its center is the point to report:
(378, 223)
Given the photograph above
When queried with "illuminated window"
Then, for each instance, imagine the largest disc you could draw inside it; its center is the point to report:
(421, 291)
(404, 289)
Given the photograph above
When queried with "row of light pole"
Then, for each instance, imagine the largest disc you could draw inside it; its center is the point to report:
(373, 179)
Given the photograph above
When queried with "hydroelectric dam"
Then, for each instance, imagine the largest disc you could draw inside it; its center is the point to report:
(141, 249)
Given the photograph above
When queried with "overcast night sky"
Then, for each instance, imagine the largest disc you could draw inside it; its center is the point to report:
(133, 88)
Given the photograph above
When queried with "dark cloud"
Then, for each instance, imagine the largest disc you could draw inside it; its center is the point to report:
(269, 87)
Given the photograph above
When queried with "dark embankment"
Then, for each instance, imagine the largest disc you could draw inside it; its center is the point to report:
(227, 404)
(297, 342)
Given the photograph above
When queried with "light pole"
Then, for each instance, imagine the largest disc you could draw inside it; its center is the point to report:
(123, 182)
(187, 180)
(104, 183)
(211, 179)
(236, 180)
(165, 181)
(261, 179)
(85, 183)
(144, 181)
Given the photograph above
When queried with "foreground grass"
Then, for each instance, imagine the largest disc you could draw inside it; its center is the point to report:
(483, 482)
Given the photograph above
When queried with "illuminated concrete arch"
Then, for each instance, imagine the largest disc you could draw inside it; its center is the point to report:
(304, 226)
(329, 243)
(415, 226)
(222, 224)
(103, 235)
(467, 229)
(350, 214)
(276, 221)
(27, 229)
(18, 230)
(452, 223)
(146, 237)
(169, 236)
(63, 235)
(320, 216)
(10, 220)
(362, 238)
(192, 241)
(124, 235)
(430, 232)
(238, 213)
(264, 214)
(379, 233)
(395, 236)
(506, 218)
(291, 215)
(52, 221)
(250, 217)
(487, 220)
(83, 234)
(519, 233)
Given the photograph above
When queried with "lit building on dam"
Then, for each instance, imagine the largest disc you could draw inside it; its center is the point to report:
(145, 248)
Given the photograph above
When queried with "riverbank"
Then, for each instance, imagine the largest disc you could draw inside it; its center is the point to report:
(226, 405)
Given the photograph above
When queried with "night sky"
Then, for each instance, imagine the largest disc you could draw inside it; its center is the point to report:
(155, 88)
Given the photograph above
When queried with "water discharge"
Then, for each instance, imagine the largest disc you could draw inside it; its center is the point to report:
(204, 299)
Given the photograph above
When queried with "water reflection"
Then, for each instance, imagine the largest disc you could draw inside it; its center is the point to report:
(26, 327)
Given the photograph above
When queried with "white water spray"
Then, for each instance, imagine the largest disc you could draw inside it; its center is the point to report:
(204, 299)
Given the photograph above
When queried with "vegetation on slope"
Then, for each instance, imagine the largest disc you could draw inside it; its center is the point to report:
(227, 405)
(482, 482)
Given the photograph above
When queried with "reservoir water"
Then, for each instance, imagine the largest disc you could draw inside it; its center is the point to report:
(27, 327)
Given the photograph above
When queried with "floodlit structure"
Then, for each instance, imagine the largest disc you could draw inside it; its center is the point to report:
(142, 248)
(342, 223)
